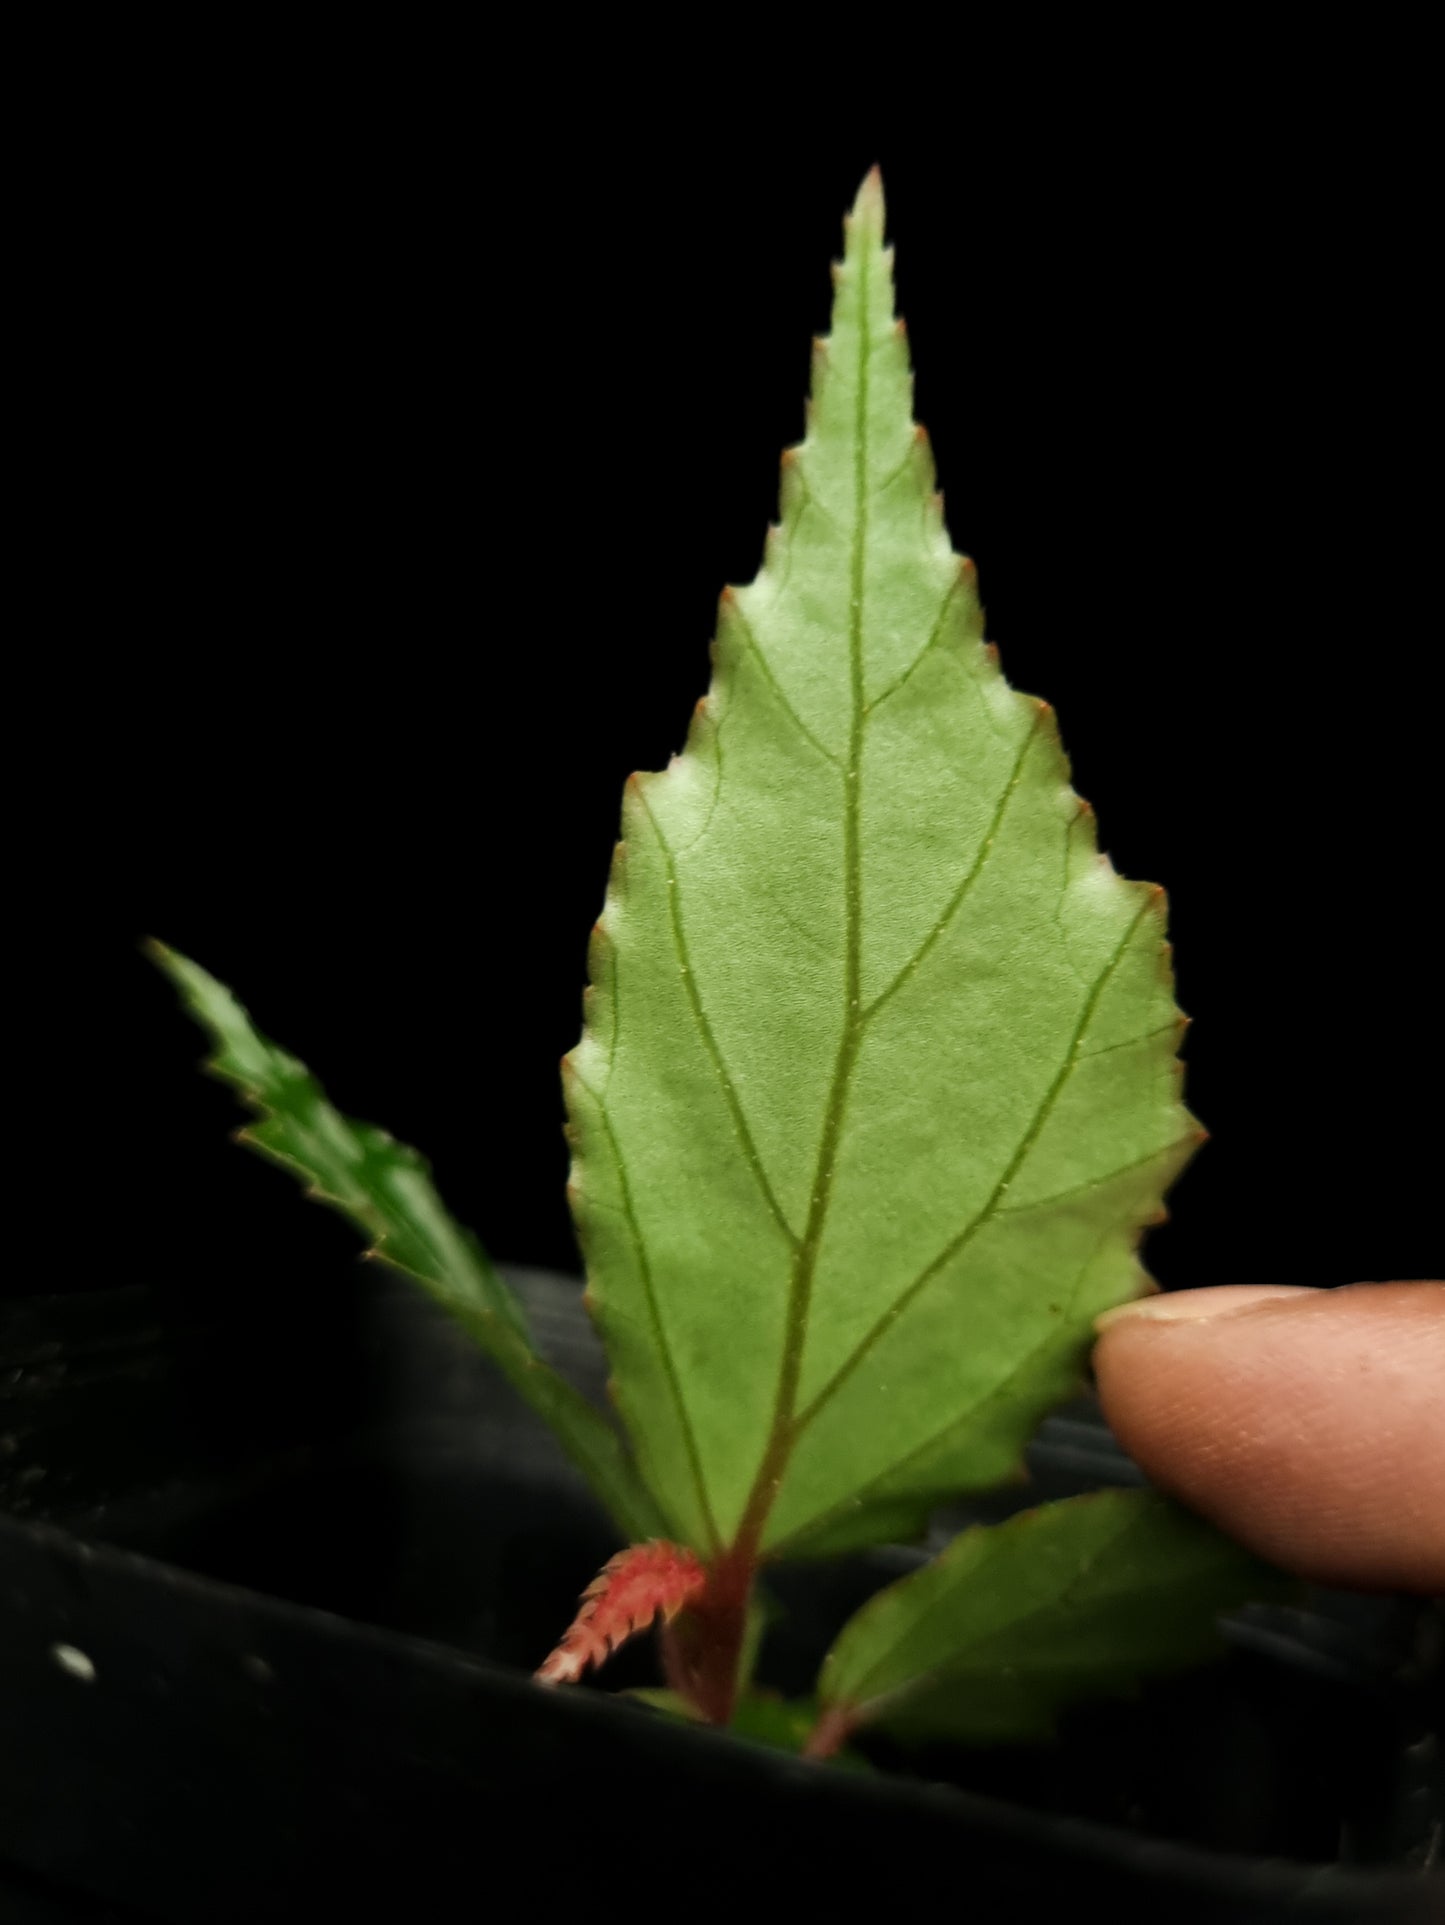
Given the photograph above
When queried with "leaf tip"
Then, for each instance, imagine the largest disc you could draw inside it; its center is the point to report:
(868, 204)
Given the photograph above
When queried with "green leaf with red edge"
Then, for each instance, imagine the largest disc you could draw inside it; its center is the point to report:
(385, 1189)
(877, 1086)
(1014, 1622)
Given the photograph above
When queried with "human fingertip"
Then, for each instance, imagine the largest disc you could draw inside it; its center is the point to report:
(1201, 1305)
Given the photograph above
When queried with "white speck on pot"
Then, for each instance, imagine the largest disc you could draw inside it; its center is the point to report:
(73, 1662)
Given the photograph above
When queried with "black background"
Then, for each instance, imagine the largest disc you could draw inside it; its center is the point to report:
(392, 467)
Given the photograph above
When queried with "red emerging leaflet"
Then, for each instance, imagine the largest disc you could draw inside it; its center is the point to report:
(624, 1598)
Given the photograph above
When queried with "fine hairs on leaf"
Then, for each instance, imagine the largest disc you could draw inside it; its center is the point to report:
(876, 1093)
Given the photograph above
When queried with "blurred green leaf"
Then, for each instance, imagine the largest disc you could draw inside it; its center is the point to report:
(386, 1190)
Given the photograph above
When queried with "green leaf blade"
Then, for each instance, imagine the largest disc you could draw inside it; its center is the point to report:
(385, 1189)
(1015, 1622)
(878, 1083)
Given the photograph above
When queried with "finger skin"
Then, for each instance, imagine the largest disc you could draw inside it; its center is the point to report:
(1310, 1427)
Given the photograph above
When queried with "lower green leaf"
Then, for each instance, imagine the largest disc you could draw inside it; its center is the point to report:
(385, 1188)
(1016, 1621)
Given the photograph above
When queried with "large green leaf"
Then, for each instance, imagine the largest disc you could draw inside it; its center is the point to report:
(386, 1190)
(1016, 1621)
(877, 1084)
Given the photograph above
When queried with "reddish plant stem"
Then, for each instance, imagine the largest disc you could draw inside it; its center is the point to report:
(702, 1651)
(830, 1733)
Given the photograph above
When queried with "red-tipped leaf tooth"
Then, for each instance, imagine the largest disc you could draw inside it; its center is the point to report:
(900, 328)
(626, 1595)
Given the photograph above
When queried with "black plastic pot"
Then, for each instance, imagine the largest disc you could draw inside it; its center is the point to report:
(269, 1596)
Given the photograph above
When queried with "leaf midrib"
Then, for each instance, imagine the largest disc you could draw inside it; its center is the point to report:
(804, 1266)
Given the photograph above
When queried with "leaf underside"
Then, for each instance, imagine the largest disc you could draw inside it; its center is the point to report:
(877, 1085)
(1015, 1622)
(385, 1189)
